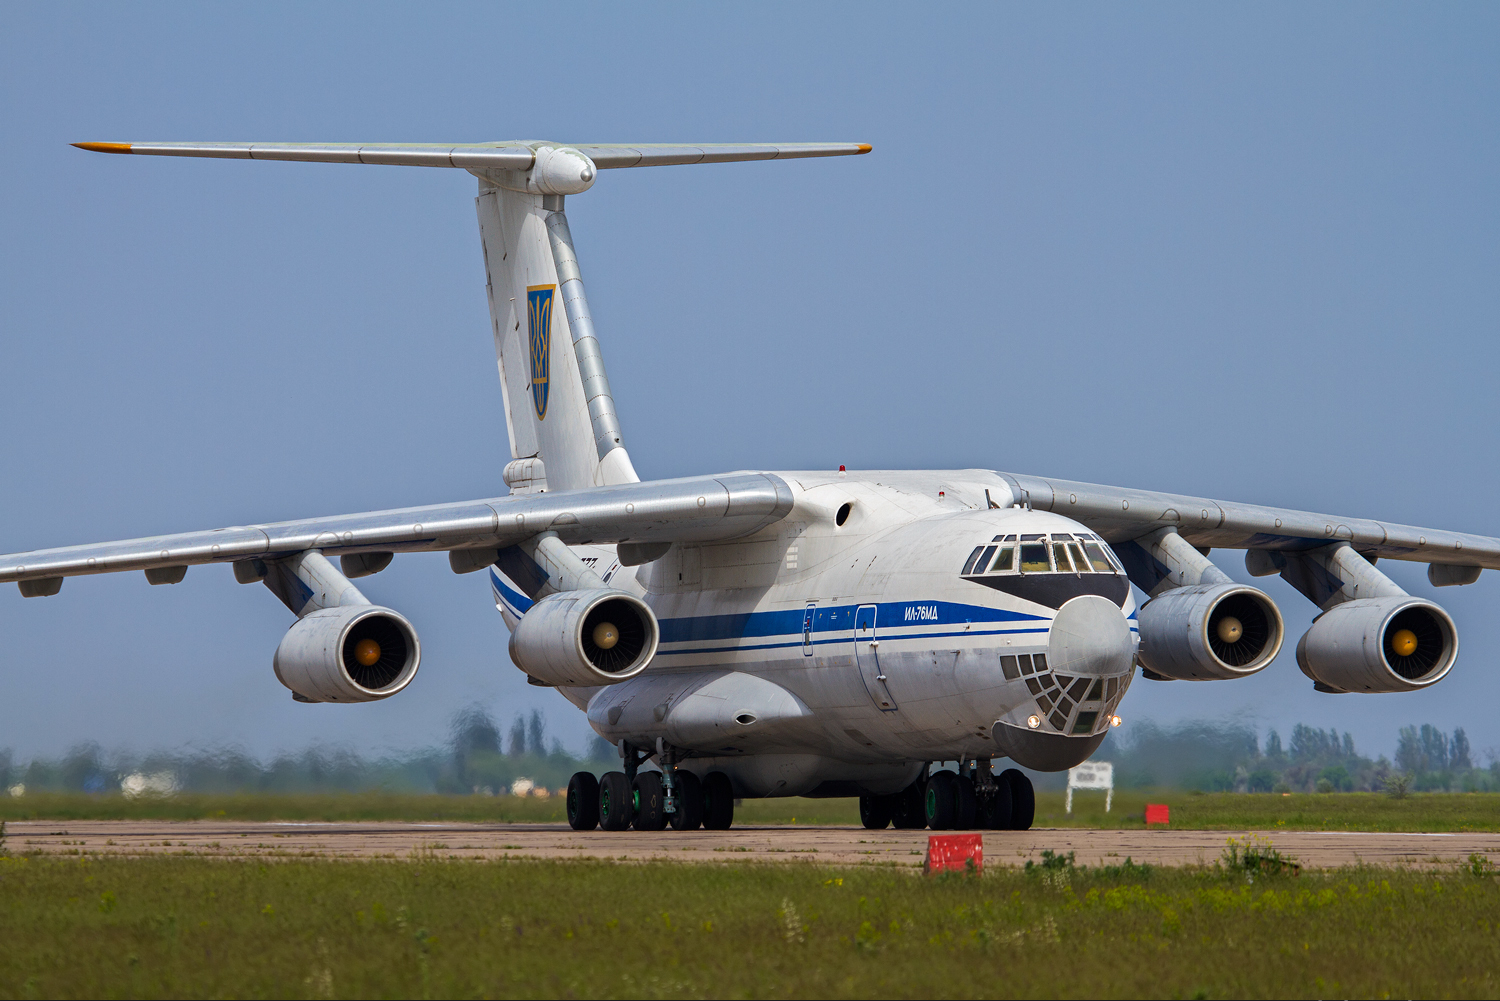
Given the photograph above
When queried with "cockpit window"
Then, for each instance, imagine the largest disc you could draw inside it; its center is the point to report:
(1100, 562)
(973, 559)
(1059, 553)
(1080, 563)
(1034, 558)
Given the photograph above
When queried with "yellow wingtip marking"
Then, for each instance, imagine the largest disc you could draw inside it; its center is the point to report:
(104, 147)
(863, 147)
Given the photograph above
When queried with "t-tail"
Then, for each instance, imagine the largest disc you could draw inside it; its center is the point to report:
(564, 430)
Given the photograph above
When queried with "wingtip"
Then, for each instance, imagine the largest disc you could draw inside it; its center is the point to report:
(104, 147)
(863, 147)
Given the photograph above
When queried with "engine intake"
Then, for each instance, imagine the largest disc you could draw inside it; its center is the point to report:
(1392, 644)
(1210, 632)
(351, 653)
(581, 638)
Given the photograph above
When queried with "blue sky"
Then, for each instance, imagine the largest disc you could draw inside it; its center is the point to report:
(1242, 251)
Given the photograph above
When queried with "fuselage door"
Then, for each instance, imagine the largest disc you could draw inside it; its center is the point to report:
(867, 655)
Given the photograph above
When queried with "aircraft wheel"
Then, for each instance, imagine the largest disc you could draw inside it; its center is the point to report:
(1022, 799)
(875, 812)
(967, 804)
(942, 801)
(995, 809)
(689, 813)
(910, 813)
(616, 802)
(583, 801)
(650, 800)
(718, 802)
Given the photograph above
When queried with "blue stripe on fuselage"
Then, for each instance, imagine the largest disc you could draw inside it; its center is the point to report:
(518, 602)
(840, 619)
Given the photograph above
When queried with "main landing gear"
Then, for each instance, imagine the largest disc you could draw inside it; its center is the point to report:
(973, 798)
(649, 801)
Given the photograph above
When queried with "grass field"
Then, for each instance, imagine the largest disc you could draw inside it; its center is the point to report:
(192, 927)
(1190, 811)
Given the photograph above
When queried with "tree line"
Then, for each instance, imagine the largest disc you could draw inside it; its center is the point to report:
(481, 757)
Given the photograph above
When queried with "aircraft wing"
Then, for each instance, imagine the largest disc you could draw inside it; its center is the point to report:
(1121, 514)
(697, 509)
(497, 155)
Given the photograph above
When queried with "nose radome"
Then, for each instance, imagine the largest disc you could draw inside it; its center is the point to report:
(1090, 636)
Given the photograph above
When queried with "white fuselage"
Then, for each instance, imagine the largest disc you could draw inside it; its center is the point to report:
(844, 647)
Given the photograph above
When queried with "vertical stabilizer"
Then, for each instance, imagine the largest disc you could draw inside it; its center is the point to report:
(564, 432)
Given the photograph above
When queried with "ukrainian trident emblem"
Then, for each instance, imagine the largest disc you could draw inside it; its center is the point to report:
(539, 305)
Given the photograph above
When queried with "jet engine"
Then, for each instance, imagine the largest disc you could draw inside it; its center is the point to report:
(580, 638)
(1391, 644)
(1209, 632)
(349, 653)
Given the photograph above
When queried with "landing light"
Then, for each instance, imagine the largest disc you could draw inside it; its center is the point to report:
(1115, 721)
(367, 652)
(1033, 721)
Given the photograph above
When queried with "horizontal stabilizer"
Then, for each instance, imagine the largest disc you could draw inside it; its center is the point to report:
(494, 155)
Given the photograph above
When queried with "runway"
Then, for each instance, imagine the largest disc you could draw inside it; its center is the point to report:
(821, 845)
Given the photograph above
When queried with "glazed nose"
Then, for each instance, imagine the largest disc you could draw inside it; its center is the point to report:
(1090, 636)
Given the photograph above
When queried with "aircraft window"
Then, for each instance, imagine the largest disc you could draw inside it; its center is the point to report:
(1040, 660)
(984, 559)
(1060, 551)
(1033, 538)
(1109, 688)
(1006, 561)
(1004, 538)
(1045, 703)
(1079, 687)
(1026, 667)
(1034, 685)
(1085, 722)
(1008, 665)
(973, 558)
(1076, 551)
(1098, 559)
(1059, 720)
(1034, 558)
(1096, 692)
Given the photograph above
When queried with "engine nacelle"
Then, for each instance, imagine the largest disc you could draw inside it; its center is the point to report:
(579, 638)
(1210, 632)
(1394, 644)
(352, 653)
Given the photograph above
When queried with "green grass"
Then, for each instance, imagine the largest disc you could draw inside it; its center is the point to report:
(1190, 811)
(1351, 811)
(195, 927)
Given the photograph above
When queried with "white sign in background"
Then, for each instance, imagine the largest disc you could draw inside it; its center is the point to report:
(1092, 775)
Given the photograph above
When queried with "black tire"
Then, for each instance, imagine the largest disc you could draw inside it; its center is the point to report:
(875, 812)
(965, 816)
(995, 809)
(942, 801)
(689, 813)
(650, 802)
(583, 801)
(1022, 799)
(718, 802)
(910, 813)
(616, 802)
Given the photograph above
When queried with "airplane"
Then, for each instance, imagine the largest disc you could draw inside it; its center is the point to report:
(793, 633)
